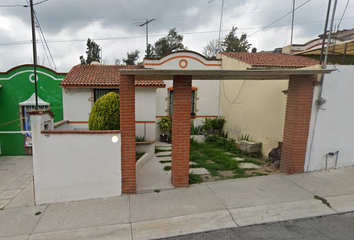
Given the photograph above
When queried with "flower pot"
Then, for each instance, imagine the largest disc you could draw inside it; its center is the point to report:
(163, 138)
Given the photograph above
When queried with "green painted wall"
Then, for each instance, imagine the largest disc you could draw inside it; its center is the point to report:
(17, 87)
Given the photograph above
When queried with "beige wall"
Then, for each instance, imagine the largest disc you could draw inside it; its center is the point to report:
(253, 107)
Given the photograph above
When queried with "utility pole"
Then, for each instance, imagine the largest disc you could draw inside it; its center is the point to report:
(292, 24)
(146, 23)
(221, 15)
(34, 53)
(330, 33)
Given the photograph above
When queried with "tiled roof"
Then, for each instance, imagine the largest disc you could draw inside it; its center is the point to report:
(264, 59)
(102, 76)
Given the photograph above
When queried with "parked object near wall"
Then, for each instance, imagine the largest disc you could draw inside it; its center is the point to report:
(275, 155)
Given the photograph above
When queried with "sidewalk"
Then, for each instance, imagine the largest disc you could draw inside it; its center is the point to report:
(203, 207)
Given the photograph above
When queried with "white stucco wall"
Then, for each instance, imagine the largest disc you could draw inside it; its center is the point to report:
(145, 111)
(77, 103)
(333, 129)
(70, 167)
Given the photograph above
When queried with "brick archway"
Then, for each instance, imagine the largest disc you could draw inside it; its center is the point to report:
(298, 113)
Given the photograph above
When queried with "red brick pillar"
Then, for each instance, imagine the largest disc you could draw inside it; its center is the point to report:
(127, 126)
(297, 121)
(181, 117)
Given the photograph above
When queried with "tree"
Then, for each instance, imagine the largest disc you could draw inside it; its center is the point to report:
(131, 57)
(211, 49)
(105, 113)
(116, 61)
(232, 43)
(93, 52)
(168, 44)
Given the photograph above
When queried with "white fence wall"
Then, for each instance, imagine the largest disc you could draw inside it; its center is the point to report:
(333, 130)
(74, 166)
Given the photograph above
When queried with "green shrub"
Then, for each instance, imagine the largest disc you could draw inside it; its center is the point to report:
(105, 113)
(140, 139)
(207, 124)
(194, 178)
(165, 124)
(197, 130)
(218, 123)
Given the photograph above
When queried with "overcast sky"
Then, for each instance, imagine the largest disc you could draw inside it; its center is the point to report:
(112, 24)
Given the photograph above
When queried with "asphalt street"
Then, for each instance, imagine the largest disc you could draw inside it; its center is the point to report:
(336, 227)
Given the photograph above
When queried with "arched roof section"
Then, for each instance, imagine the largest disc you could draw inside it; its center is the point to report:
(179, 60)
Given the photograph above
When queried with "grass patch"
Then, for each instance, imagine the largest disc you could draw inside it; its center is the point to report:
(324, 201)
(194, 178)
(167, 168)
(167, 161)
(256, 162)
(156, 191)
(157, 150)
(138, 156)
(164, 155)
(216, 155)
(213, 159)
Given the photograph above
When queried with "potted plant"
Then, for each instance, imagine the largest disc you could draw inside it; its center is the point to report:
(165, 125)
(207, 126)
(217, 124)
(169, 138)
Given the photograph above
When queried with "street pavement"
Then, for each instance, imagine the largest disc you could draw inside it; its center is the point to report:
(333, 227)
(230, 204)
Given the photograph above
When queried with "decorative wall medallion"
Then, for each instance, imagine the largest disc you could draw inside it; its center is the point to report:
(183, 63)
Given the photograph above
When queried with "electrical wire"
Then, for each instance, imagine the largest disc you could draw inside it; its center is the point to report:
(345, 9)
(46, 44)
(279, 19)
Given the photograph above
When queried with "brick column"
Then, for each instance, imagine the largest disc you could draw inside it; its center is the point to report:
(127, 126)
(297, 121)
(181, 116)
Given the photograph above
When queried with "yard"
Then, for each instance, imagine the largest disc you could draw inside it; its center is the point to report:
(220, 157)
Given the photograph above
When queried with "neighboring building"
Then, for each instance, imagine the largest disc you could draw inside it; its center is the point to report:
(331, 134)
(341, 50)
(257, 107)
(84, 84)
(17, 96)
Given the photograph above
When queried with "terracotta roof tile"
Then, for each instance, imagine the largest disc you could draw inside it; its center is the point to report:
(264, 59)
(103, 76)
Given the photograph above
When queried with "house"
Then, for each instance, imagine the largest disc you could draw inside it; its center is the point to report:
(84, 84)
(341, 48)
(17, 96)
(205, 94)
(257, 108)
(117, 148)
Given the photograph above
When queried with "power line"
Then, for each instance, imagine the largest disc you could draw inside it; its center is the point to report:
(157, 35)
(19, 5)
(279, 19)
(345, 9)
(44, 40)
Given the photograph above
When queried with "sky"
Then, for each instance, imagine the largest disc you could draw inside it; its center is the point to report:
(114, 25)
